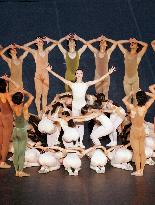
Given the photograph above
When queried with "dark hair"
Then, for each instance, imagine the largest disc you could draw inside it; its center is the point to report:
(66, 113)
(55, 105)
(97, 104)
(141, 98)
(84, 109)
(69, 40)
(8, 52)
(17, 98)
(78, 70)
(107, 47)
(100, 97)
(3, 85)
(71, 123)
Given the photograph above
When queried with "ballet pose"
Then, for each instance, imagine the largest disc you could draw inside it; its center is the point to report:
(137, 132)
(15, 64)
(71, 56)
(20, 135)
(132, 59)
(41, 78)
(102, 57)
(6, 123)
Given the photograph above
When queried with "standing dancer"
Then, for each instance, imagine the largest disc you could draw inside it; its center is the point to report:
(71, 56)
(137, 132)
(15, 65)
(6, 123)
(41, 75)
(79, 89)
(132, 59)
(20, 135)
(102, 57)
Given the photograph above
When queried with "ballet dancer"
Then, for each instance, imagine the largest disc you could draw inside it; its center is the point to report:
(6, 123)
(132, 59)
(137, 132)
(15, 64)
(21, 116)
(41, 78)
(71, 56)
(102, 57)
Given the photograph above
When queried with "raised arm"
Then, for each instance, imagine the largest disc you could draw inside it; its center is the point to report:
(90, 83)
(126, 100)
(30, 50)
(92, 48)
(30, 99)
(121, 47)
(143, 50)
(61, 48)
(8, 60)
(30, 43)
(54, 43)
(152, 88)
(112, 48)
(83, 48)
(153, 44)
(151, 100)
(58, 76)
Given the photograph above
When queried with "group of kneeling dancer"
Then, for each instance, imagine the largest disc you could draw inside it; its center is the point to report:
(68, 111)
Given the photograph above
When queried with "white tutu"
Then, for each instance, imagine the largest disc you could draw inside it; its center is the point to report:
(46, 126)
(32, 155)
(72, 160)
(48, 159)
(70, 134)
(98, 158)
(150, 142)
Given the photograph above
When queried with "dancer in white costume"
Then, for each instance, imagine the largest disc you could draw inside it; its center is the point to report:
(79, 89)
(116, 117)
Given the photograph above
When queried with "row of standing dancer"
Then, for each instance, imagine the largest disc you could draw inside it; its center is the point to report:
(102, 54)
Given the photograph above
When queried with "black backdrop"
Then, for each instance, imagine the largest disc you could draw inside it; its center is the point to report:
(22, 21)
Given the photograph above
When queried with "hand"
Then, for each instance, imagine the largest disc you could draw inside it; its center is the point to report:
(112, 69)
(5, 77)
(49, 68)
(76, 37)
(68, 37)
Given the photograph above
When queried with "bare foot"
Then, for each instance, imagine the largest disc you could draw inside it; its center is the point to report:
(137, 173)
(17, 174)
(23, 174)
(4, 165)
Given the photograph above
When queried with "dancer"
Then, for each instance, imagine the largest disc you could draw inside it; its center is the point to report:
(153, 44)
(137, 132)
(6, 123)
(79, 89)
(15, 64)
(71, 56)
(21, 116)
(132, 59)
(41, 75)
(102, 57)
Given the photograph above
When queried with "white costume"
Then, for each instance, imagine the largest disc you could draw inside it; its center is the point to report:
(116, 117)
(105, 129)
(31, 158)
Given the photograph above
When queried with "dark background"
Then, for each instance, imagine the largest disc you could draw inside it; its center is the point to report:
(23, 21)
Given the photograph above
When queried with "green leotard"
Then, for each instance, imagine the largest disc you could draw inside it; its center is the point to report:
(19, 142)
(71, 67)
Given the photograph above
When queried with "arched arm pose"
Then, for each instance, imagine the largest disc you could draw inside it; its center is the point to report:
(41, 75)
(137, 132)
(102, 57)
(71, 56)
(21, 116)
(15, 64)
(132, 59)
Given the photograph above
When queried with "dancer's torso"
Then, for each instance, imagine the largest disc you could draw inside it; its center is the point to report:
(5, 108)
(101, 61)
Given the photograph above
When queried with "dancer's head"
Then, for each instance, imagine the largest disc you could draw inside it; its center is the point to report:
(79, 74)
(103, 45)
(55, 106)
(12, 52)
(17, 98)
(100, 97)
(3, 85)
(141, 98)
(85, 109)
(71, 44)
(97, 104)
(134, 45)
(39, 43)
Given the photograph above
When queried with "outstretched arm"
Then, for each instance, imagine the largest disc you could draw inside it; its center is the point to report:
(121, 47)
(58, 76)
(90, 83)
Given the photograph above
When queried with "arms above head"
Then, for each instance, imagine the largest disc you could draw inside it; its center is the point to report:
(112, 48)
(152, 88)
(83, 48)
(151, 100)
(8, 60)
(121, 47)
(111, 70)
(61, 48)
(67, 82)
(143, 50)
(25, 48)
(54, 43)
(126, 100)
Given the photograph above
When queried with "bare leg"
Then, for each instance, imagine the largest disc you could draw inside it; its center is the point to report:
(38, 88)
(45, 93)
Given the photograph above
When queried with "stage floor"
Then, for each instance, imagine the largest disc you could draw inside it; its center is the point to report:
(116, 187)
